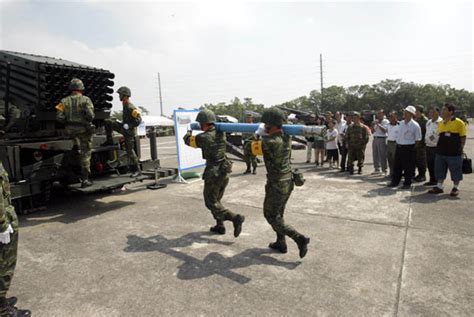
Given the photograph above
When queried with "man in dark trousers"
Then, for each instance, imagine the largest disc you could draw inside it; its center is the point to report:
(405, 157)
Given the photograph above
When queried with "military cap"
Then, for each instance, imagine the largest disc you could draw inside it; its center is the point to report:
(76, 84)
(124, 91)
(206, 116)
(420, 108)
(355, 113)
(273, 116)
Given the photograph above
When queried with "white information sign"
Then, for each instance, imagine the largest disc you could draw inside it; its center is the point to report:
(188, 157)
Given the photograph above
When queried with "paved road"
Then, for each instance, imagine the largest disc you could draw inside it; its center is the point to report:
(374, 251)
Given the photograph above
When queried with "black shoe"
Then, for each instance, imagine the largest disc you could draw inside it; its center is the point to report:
(302, 243)
(86, 183)
(419, 178)
(430, 183)
(342, 170)
(12, 301)
(247, 171)
(279, 246)
(219, 229)
(350, 170)
(237, 221)
(136, 174)
(307, 162)
(15, 312)
(406, 186)
(317, 163)
(359, 171)
(254, 171)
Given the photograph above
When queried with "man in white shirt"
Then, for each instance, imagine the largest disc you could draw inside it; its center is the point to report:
(341, 126)
(392, 134)
(405, 157)
(379, 143)
(431, 141)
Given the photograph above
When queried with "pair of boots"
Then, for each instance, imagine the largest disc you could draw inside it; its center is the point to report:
(351, 170)
(247, 171)
(237, 221)
(8, 309)
(280, 244)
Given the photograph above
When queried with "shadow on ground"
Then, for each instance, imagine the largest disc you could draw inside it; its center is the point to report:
(65, 209)
(213, 264)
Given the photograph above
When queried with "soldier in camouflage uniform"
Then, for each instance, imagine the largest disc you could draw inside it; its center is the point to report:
(77, 112)
(249, 158)
(216, 175)
(357, 138)
(128, 128)
(8, 247)
(276, 147)
(420, 147)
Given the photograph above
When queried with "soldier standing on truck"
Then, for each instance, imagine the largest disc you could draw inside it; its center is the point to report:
(128, 128)
(76, 111)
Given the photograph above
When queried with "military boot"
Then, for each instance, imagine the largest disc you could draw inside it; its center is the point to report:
(302, 243)
(280, 244)
(85, 181)
(247, 171)
(350, 169)
(219, 227)
(135, 171)
(15, 312)
(237, 221)
(254, 172)
(12, 301)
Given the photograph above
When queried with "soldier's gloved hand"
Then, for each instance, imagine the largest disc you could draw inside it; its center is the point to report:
(125, 126)
(5, 236)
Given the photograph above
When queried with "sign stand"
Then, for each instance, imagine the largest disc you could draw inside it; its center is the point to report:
(188, 157)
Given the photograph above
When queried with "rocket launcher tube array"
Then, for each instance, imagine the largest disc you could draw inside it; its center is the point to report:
(290, 129)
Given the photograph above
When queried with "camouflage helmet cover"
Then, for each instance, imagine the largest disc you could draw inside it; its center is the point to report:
(124, 91)
(206, 116)
(76, 84)
(273, 116)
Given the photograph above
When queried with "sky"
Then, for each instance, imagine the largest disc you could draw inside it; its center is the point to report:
(210, 52)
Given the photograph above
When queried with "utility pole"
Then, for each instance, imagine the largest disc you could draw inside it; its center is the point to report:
(159, 88)
(321, 73)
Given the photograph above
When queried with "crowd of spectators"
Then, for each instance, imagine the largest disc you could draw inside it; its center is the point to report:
(432, 144)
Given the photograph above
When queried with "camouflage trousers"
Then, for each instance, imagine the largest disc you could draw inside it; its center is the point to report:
(420, 151)
(355, 154)
(8, 255)
(277, 193)
(112, 125)
(82, 140)
(249, 158)
(214, 188)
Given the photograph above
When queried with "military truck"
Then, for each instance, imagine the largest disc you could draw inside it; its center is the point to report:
(34, 148)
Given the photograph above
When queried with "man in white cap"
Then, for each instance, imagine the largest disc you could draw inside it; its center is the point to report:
(405, 156)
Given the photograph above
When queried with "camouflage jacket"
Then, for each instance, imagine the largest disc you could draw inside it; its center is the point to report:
(212, 143)
(357, 135)
(276, 154)
(75, 110)
(131, 115)
(422, 123)
(6, 207)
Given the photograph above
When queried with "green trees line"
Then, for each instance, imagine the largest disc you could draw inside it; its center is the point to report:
(389, 94)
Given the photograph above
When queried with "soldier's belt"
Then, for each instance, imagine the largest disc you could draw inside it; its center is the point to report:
(290, 129)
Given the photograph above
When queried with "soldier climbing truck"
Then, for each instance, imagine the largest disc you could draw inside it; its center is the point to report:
(34, 148)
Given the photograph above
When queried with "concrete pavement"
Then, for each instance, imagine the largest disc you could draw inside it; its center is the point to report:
(374, 251)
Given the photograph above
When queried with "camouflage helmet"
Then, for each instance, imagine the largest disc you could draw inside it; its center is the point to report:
(124, 91)
(206, 116)
(76, 84)
(273, 116)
